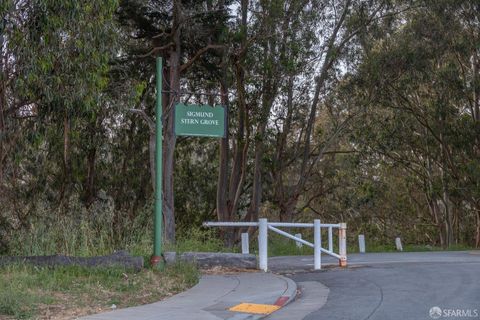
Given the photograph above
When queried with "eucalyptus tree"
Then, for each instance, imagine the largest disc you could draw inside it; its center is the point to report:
(422, 113)
(54, 62)
(303, 138)
(285, 61)
(54, 69)
(185, 34)
(264, 38)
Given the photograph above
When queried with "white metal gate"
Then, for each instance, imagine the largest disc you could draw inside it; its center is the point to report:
(263, 227)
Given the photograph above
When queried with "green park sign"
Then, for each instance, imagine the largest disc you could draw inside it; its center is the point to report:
(200, 121)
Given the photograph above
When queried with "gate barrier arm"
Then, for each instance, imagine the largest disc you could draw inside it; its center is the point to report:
(263, 227)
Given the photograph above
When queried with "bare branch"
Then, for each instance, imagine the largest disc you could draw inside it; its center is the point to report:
(161, 34)
(148, 120)
(199, 54)
(156, 49)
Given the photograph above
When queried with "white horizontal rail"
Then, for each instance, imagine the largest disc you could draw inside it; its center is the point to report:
(230, 224)
(291, 225)
(302, 225)
(288, 235)
(330, 225)
(273, 224)
(263, 226)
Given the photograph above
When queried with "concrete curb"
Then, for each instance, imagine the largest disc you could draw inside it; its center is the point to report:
(290, 294)
(214, 297)
(287, 296)
(214, 259)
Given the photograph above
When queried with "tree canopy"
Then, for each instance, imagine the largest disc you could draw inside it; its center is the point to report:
(365, 112)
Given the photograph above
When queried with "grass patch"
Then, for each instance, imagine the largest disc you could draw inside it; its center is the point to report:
(200, 240)
(28, 292)
(82, 232)
(281, 246)
(407, 248)
(379, 247)
(208, 240)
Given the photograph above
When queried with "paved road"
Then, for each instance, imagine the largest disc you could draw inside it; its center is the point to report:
(399, 286)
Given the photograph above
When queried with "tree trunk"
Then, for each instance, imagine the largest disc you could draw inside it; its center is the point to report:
(448, 219)
(256, 199)
(476, 87)
(291, 197)
(270, 84)
(287, 210)
(476, 119)
(436, 216)
(169, 140)
(66, 156)
(229, 187)
(223, 211)
(222, 207)
(241, 141)
(281, 190)
(90, 181)
(2, 102)
(445, 192)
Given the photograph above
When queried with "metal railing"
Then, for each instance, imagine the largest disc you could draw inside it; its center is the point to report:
(263, 227)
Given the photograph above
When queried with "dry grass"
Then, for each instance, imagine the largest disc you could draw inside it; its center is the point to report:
(67, 293)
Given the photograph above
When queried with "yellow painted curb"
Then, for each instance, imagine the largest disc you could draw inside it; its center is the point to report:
(255, 308)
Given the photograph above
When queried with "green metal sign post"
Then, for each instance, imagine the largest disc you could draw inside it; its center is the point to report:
(190, 120)
(157, 258)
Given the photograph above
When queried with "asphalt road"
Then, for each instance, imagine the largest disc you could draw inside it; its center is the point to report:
(390, 286)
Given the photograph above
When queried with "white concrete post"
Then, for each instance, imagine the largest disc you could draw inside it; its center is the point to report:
(299, 244)
(245, 245)
(330, 239)
(342, 243)
(263, 244)
(398, 244)
(361, 243)
(317, 244)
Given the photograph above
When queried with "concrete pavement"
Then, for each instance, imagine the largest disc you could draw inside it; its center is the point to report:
(212, 298)
(312, 297)
(375, 286)
(304, 263)
(389, 286)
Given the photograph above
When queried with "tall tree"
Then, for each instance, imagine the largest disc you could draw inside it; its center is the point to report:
(426, 100)
(183, 33)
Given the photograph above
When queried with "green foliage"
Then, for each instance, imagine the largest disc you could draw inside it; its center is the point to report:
(25, 289)
(379, 247)
(185, 274)
(280, 246)
(195, 194)
(66, 64)
(82, 232)
(201, 240)
(414, 123)
(17, 303)
(393, 131)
